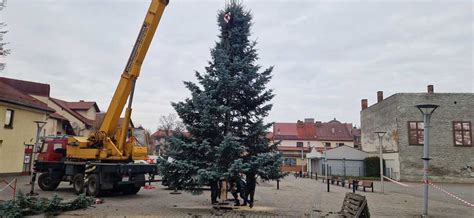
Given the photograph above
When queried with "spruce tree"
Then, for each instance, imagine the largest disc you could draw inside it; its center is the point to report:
(225, 113)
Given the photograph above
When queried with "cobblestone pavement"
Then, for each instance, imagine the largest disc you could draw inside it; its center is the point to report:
(296, 198)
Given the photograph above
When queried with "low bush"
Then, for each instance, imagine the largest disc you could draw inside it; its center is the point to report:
(27, 205)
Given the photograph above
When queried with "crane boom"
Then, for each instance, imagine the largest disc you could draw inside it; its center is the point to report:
(132, 69)
(126, 86)
(107, 143)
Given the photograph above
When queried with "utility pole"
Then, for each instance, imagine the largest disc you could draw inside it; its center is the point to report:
(380, 134)
(427, 110)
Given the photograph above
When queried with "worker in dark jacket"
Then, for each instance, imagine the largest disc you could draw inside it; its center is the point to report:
(250, 188)
(237, 186)
(234, 190)
(214, 191)
(242, 186)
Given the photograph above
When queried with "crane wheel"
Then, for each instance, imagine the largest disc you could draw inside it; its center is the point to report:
(78, 183)
(47, 183)
(93, 185)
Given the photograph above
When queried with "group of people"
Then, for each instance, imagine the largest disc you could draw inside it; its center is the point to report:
(242, 185)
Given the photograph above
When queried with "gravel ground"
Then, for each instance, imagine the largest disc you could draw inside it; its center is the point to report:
(296, 197)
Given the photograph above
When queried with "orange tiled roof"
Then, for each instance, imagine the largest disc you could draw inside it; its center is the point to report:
(309, 131)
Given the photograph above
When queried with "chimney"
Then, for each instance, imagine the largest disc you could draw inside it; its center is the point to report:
(363, 103)
(430, 89)
(81, 100)
(379, 96)
(299, 123)
(309, 120)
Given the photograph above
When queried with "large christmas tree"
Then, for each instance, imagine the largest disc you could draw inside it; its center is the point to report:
(225, 113)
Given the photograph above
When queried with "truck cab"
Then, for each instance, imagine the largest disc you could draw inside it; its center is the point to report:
(53, 148)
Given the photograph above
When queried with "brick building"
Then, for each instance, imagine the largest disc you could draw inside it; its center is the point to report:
(298, 139)
(451, 150)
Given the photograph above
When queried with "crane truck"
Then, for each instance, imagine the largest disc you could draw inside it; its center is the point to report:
(105, 161)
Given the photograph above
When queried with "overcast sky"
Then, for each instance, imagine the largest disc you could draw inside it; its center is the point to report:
(328, 55)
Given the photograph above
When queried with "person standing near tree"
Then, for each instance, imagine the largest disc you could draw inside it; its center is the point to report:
(250, 188)
(235, 190)
(214, 191)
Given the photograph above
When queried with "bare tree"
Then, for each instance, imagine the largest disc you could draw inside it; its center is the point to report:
(169, 125)
(3, 51)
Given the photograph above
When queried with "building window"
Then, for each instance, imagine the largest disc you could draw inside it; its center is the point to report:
(462, 133)
(327, 144)
(299, 144)
(9, 118)
(340, 144)
(289, 162)
(415, 132)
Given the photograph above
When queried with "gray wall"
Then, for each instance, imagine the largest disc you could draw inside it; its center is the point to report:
(352, 167)
(342, 160)
(383, 116)
(392, 115)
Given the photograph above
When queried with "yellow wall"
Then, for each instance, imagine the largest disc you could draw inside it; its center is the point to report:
(12, 148)
(315, 143)
(292, 143)
(89, 114)
(300, 161)
(334, 143)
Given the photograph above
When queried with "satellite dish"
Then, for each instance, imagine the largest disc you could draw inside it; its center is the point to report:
(75, 127)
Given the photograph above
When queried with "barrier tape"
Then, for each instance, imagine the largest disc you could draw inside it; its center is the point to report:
(402, 184)
(396, 182)
(452, 195)
(435, 186)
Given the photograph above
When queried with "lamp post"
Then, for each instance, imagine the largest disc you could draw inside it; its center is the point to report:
(302, 160)
(325, 163)
(427, 110)
(39, 127)
(380, 134)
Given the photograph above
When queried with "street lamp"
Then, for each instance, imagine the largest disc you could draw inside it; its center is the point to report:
(302, 160)
(427, 110)
(39, 127)
(325, 162)
(380, 134)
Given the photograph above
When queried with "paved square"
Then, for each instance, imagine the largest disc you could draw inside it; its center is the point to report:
(296, 197)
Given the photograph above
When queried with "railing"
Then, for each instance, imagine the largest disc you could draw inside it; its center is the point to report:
(11, 184)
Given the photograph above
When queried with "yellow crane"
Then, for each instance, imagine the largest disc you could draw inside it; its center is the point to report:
(104, 160)
(107, 143)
